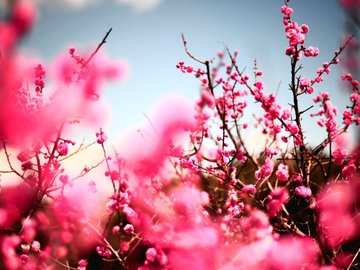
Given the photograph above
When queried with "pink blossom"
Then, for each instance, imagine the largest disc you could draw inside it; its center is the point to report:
(282, 172)
(35, 246)
(24, 258)
(354, 97)
(16, 105)
(206, 99)
(116, 229)
(311, 51)
(124, 246)
(24, 14)
(273, 208)
(103, 251)
(189, 69)
(290, 51)
(306, 85)
(101, 136)
(8, 250)
(286, 114)
(248, 190)
(350, 5)
(29, 230)
(64, 178)
(293, 128)
(196, 259)
(82, 264)
(339, 155)
(336, 200)
(151, 254)
(173, 119)
(303, 191)
(293, 253)
(25, 155)
(277, 198)
(294, 34)
(265, 170)
(129, 229)
(318, 79)
(347, 117)
(182, 228)
(39, 71)
(305, 29)
(63, 149)
(12, 205)
(26, 166)
(346, 77)
(286, 10)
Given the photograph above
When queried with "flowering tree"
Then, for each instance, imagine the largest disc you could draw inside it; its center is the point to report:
(197, 197)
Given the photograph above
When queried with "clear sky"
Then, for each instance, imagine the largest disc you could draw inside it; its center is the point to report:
(147, 34)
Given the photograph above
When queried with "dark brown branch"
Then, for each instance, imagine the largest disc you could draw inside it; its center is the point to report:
(98, 48)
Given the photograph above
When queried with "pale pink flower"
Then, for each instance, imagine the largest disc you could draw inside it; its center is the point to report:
(311, 51)
(151, 254)
(282, 172)
(303, 191)
(129, 229)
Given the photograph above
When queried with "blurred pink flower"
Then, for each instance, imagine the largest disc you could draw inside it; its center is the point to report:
(338, 218)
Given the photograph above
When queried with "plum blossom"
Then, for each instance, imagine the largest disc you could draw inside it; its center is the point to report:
(311, 51)
(306, 85)
(265, 170)
(282, 172)
(303, 191)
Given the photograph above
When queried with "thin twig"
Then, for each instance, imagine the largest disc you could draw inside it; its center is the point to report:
(353, 260)
(97, 49)
(188, 52)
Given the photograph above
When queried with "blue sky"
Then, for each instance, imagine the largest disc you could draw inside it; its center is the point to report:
(149, 39)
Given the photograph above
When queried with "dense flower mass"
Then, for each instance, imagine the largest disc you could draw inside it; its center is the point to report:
(193, 193)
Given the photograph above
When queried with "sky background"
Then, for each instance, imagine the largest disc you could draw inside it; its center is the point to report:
(147, 35)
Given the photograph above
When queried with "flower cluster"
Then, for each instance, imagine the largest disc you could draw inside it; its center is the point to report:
(194, 185)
